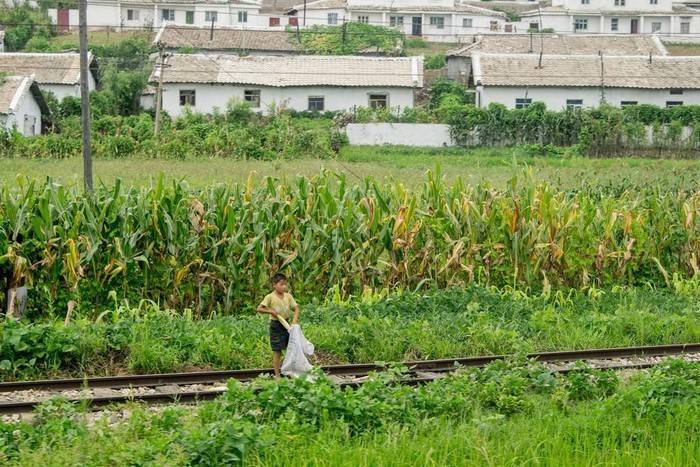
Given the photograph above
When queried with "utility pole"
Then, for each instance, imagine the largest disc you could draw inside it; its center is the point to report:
(343, 36)
(159, 91)
(85, 97)
(304, 23)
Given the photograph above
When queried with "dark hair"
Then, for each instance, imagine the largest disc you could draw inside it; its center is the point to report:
(278, 277)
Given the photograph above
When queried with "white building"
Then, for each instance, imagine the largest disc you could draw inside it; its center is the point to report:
(58, 73)
(664, 17)
(201, 83)
(153, 13)
(459, 60)
(561, 81)
(228, 40)
(21, 105)
(434, 20)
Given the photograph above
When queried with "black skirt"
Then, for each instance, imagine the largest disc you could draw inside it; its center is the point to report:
(279, 336)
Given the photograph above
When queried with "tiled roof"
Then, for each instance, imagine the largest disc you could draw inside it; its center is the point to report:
(323, 5)
(585, 71)
(294, 70)
(176, 36)
(14, 88)
(578, 44)
(510, 6)
(61, 68)
(11, 91)
(396, 7)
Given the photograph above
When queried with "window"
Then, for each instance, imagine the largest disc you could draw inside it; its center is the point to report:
(676, 92)
(396, 21)
(585, 2)
(242, 16)
(189, 17)
(210, 16)
(167, 15)
(493, 26)
(653, 2)
(187, 97)
(437, 21)
(580, 24)
(467, 22)
(522, 103)
(363, 19)
(685, 27)
(655, 26)
(316, 103)
(673, 103)
(614, 24)
(619, 2)
(574, 103)
(535, 26)
(378, 100)
(626, 103)
(332, 18)
(132, 15)
(252, 96)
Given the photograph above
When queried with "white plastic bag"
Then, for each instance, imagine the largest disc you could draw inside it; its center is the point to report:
(295, 362)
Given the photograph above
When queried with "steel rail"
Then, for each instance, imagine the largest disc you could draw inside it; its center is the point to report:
(209, 377)
(429, 366)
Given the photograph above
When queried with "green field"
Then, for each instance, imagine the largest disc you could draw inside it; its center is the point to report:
(395, 254)
(407, 165)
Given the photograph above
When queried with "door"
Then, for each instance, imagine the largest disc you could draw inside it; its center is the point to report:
(634, 26)
(417, 26)
(29, 125)
(63, 20)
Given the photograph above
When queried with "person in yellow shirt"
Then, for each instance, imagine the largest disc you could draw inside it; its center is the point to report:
(279, 303)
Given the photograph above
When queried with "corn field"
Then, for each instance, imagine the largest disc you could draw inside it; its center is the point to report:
(213, 250)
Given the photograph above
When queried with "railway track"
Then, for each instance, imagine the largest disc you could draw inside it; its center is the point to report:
(202, 386)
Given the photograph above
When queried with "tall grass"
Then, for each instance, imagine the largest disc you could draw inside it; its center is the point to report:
(439, 324)
(506, 414)
(214, 249)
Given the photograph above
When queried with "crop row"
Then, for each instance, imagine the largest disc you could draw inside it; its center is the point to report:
(214, 249)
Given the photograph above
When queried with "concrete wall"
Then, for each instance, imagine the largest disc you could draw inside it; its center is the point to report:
(209, 96)
(28, 107)
(405, 134)
(564, 23)
(555, 98)
(101, 15)
(63, 90)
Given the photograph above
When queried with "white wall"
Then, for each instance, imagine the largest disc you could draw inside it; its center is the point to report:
(226, 14)
(564, 23)
(27, 107)
(555, 98)
(209, 96)
(63, 90)
(100, 15)
(73, 18)
(406, 134)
